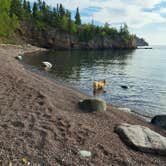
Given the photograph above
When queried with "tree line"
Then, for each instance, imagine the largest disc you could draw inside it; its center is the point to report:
(12, 12)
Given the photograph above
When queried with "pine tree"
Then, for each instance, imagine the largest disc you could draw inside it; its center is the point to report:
(35, 10)
(24, 4)
(26, 8)
(68, 14)
(16, 8)
(61, 11)
(77, 17)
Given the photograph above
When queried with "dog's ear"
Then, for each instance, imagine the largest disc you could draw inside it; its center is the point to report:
(104, 80)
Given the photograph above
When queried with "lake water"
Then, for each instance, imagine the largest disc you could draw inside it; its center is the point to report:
(142, 70)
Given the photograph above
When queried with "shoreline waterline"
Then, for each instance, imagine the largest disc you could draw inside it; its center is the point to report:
(53, 78)
(140, 71)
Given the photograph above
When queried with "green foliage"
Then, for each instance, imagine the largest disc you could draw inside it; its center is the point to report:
(124, 34)
(7, 23)
(61, 11)
(77, 17)
(16, 8)
(26, 9)
(64, 24)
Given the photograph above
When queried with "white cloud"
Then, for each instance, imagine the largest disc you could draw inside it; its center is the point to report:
(133, 14)
(162, 11)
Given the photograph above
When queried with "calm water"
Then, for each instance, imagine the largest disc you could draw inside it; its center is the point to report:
(143, 71)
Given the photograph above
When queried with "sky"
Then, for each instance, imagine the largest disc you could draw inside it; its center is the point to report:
(145, 18)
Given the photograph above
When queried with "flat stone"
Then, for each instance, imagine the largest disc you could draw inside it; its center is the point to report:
(85, 153)
(142, 138)
(160, 121)
(128, 110)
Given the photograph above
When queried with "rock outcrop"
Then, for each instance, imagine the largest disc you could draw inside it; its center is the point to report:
(160, 121)
(140, 41)
(142, 138)
(93, 105)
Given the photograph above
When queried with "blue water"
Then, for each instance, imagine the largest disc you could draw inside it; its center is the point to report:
(142, 70)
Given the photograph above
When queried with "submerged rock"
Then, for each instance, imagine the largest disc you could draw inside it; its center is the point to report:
(92, 105)
(142, 138)
(160, 121)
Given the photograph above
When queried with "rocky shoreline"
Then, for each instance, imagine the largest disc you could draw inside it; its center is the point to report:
(41, 123)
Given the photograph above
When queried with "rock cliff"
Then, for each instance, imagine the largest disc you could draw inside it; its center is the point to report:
(54, 39)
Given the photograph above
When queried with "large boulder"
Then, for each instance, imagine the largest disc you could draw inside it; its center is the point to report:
(142, 138)
(92, 105)
(160, 121)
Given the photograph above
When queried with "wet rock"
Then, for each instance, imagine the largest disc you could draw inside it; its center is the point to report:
(47, 65)
(128, 110)
(124, 87)
(92, 105)
(85, 153)
(19, 57)
(142, 138)
(160, 121)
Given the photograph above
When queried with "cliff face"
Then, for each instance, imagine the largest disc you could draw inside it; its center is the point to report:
(54, 39)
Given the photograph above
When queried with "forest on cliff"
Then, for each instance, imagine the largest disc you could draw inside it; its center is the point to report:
(16, 15)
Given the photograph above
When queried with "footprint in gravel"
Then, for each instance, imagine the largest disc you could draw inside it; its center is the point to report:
(32, 122)
(103, 149)
(42, 139)
(40, 96)
(18, 124)
(47, 116)
(63, 128)
(82, 135)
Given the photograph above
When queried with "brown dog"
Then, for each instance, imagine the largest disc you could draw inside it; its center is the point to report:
(99, 85)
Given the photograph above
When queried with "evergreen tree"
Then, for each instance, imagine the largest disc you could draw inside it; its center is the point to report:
(77, 17)
(61, 11)
(24, 4)
(35, 10)
(26, 9)
(16, 8)
(29, 7)
(68, 14)
(54, 19)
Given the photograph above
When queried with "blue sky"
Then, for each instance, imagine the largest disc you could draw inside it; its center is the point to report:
(146, 18)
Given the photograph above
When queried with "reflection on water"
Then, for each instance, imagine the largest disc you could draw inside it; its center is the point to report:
(143, 71)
